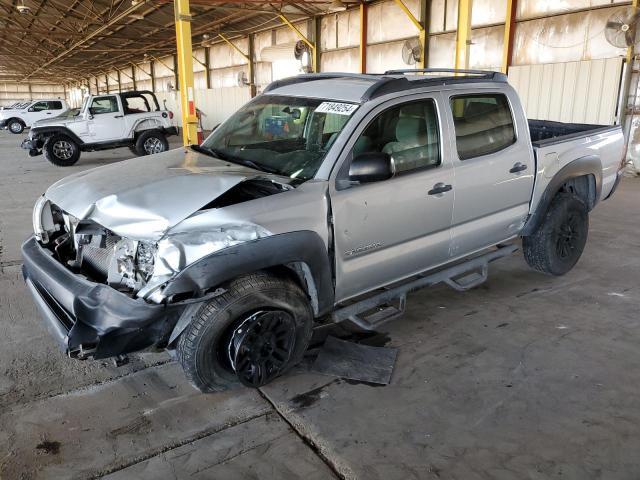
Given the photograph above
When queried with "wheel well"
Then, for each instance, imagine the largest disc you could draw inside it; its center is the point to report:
(583, 187)
(299, 273)
(18, 119)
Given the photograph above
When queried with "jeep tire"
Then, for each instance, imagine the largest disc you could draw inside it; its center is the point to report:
(557, 244)
(15, 125)
(256, 330)
(61, 150)
(151, 142)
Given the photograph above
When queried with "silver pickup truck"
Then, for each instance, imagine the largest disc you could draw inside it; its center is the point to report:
(325, 199)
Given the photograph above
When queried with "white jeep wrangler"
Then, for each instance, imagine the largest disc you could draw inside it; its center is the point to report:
(25, 114)
(128, 119)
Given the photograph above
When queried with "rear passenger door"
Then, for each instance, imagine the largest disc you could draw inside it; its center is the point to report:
(494, 169)
(389, 230)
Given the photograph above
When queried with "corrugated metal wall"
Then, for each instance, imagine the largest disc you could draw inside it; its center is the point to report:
(576, 92)
(12, 92)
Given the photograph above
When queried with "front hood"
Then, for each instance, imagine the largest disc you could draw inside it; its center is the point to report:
(55, 121)
(143, 197)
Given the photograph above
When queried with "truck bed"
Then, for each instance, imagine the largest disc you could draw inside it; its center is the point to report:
(545, 132)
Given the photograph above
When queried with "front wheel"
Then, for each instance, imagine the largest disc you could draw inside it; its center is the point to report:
(151, 142)
(15, 126)
(61, 150)
(557, 244)
(257, 330)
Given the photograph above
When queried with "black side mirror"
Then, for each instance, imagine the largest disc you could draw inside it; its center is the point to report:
(371, 167)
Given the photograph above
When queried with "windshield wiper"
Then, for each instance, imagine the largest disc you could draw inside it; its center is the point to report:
(212, 152)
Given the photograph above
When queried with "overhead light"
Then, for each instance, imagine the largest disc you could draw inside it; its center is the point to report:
(205, 36)
(137, 16)
(337, 6)
(23, 9)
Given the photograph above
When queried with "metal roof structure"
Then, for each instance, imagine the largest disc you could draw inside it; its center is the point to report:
(58, 40)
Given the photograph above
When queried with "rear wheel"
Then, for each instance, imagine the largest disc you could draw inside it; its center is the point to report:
(61, 150)
(151, 142)
(15, 126)
(254, 332)
(557, 244)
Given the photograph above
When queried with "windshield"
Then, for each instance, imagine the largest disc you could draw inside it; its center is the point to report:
(289, 136)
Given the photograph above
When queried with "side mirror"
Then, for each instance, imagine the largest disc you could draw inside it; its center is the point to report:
(371, 167)
(31, 109)
(90, 112)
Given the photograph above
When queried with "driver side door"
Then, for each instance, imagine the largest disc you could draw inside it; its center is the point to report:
(106, 120)
(388, 230)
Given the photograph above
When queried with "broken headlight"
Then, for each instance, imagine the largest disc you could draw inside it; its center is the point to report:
(43, 223)
(132, 264)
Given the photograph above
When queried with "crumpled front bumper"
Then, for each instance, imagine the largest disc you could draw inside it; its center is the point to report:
(90, 319)
(33, 145)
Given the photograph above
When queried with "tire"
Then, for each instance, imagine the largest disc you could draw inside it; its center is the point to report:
(15, 126)
(61, 150)
(150, 143)
(222, 333)
(556, 246)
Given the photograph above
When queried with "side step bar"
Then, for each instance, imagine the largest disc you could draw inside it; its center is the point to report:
(377, 309)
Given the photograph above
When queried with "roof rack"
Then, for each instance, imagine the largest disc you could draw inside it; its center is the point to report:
(309, 77)
(390, 84)
(496, 76)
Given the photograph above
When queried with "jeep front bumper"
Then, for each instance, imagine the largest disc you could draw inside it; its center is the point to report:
(3, 123)
(33, 145)
(90, 319)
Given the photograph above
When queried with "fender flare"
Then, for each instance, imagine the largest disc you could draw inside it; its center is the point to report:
(55, 130)
(302, 252)
(587, 165)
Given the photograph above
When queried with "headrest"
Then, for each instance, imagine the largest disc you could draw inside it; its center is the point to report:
(410, 129)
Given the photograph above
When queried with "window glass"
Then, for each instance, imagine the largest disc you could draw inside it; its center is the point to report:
(408, 132)
(101, 105)
(285, 135)
(40, 106)
(137, 104)
(483, 124)
(55, 105)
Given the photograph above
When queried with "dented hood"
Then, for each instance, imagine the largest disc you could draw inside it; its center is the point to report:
(143, 197)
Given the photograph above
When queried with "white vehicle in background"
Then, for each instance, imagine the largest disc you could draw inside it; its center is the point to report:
(23, 116)
(16, 105)
(128, 119)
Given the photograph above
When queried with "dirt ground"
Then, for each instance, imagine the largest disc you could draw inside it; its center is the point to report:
(526, 376)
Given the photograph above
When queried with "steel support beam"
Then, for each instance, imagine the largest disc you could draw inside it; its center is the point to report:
(185, 72)
(463, 34)
(422, 33)
(152, 74)
(106, 79)
(509, 32)
(252, 66)
(119, 81)
(207, 66)
(363, 37)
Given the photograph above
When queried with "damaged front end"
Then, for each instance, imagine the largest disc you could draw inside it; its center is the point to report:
(101, 293)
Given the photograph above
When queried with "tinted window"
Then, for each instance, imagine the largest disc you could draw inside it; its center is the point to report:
(55, 105)
(483, 124)
(40, 106)
(100, 105)
(407, 132)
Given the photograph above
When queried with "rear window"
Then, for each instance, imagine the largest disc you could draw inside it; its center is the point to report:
(483, 124)
(55, 105)
(135, 104)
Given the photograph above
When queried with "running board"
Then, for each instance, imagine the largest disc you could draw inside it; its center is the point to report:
(379, 308)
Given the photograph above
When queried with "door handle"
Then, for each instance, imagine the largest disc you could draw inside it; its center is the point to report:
(518, 167)
(118, 116)
(439, 188)
(48, 113)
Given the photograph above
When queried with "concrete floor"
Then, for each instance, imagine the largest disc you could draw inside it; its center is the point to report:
(526, 376)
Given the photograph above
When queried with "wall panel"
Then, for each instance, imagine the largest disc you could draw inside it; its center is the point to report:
(576, 92)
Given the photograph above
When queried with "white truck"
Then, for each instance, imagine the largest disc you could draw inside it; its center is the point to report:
(127, 119)
(24, 115)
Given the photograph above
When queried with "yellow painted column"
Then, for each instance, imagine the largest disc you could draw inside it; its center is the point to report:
(421, 30)
(185, 72)
(509, 30)
(463, 35)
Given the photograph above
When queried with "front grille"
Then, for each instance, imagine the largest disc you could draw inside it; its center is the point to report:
(96, 258)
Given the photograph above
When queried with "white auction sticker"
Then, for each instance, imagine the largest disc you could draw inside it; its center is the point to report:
(337, 108)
